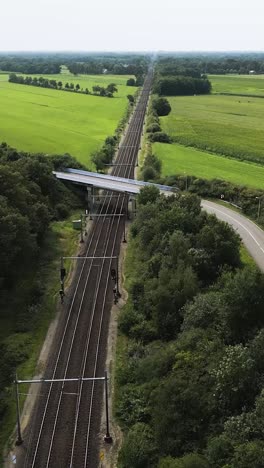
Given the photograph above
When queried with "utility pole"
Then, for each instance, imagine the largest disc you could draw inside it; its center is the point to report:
(108, 439)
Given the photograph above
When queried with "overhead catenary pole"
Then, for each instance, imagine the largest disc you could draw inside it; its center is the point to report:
(62, 276)
(126, 204)
(81, 229)
(117, 278)
(19, 440)
(92, 201)
(124, 230)
(107, 438)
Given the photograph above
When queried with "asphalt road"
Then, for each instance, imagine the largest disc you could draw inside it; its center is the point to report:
(251, 235)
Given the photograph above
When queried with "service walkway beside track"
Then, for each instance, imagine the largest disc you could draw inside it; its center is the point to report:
(109, 182)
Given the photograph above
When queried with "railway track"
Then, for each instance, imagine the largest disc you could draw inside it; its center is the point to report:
(66, 420)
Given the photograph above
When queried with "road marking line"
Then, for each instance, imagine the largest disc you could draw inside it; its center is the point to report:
(238, 222)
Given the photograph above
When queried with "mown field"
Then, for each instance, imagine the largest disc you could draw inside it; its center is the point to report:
(51, 121)
(177, 159)
(238, 84)
(228, 125)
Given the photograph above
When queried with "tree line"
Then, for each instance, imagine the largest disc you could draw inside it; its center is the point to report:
(196, 64)
(87, 63)
(42, 82)
(33, 66)
(30, 199)
(189, 382)
(181, 86)
(92, 66)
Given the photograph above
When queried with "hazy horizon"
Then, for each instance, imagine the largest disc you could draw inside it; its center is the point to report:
(128, 51)
(57, 25)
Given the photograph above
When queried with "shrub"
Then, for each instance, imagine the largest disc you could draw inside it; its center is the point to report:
(62, 211)
(138, 450)
(149, 173)
(153, 128)
(192, 460)
(161, 137)
(131, 82)
(13, 351)
(161, 106)
(153, 161)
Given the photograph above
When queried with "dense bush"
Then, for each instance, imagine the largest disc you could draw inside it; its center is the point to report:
(152, 128)
(105, 155)
(192, 365)
(149, 173)
(161, 106)
(131, 82)
(30, 198)
(158, 107)
(138, 450)
(160, 137)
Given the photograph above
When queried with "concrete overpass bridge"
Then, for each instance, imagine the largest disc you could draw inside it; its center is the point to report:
(109, 182)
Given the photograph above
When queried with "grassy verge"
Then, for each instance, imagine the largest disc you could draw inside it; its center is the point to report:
(61, 240)
(246, 258)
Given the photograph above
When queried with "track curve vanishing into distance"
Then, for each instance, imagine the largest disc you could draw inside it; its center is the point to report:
(65, 425)
(251, 235)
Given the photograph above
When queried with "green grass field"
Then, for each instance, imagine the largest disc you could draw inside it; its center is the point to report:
(229, 125)
(51, 121)
(238, 84)
(177, 159)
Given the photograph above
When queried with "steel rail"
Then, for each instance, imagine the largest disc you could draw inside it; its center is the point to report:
(97, 290)
(94, 373)
(86, 353)
(72, 304)
(64, 334)
(95, 368)
(90, 334)
(136, 123)
(76, 324)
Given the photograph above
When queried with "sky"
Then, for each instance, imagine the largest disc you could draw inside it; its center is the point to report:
(109, 25)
